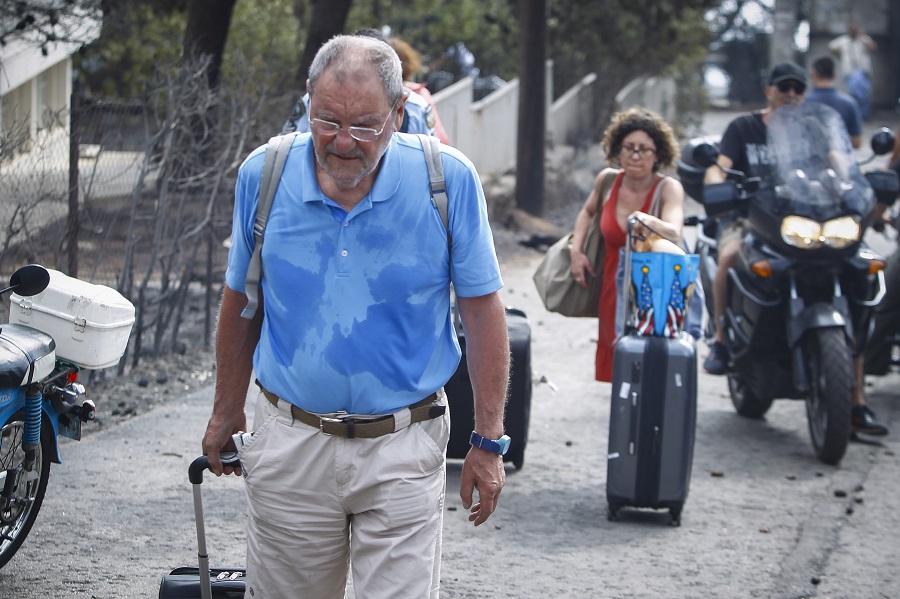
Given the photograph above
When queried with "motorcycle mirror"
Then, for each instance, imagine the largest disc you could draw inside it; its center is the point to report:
(705, 154)
(28, 280)
(882, 141)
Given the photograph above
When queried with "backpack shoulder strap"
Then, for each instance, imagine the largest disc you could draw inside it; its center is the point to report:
(277, 152)
(432, 148)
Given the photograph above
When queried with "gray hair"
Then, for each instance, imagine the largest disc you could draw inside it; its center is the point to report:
(346, 51)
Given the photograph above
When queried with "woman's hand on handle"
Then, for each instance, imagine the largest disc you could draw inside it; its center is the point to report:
(581, 267)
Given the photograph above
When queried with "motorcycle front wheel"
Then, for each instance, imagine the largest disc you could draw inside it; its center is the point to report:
(17, 518)
(830, 371)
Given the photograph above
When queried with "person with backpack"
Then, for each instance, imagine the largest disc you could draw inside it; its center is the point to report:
(352, 342)
(419, 116)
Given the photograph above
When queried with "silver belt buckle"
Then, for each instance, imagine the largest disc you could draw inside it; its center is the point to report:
(323, 420)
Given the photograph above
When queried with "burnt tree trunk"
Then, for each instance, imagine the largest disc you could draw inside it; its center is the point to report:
(206, 33)
(329, 19)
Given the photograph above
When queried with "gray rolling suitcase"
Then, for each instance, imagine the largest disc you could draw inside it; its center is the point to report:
(652, 423)
(653, 418)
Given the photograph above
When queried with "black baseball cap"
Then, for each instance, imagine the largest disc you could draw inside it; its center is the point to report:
(784, 71)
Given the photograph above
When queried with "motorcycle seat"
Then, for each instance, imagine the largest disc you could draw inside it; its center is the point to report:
(26, 355)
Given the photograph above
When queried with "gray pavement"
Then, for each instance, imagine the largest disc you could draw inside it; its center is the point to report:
(764, 518)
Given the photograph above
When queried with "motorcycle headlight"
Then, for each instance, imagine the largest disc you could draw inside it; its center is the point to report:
(801, 232)
(841, 232)
(808, 234)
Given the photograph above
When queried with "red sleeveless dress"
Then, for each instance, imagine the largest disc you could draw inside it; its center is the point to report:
(614, 238)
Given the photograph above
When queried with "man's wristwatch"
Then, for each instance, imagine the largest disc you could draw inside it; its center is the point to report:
(499, 446)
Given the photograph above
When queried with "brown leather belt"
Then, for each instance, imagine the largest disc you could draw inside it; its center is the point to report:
(365, 428)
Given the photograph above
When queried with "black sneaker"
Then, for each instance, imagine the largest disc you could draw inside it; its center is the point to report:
(863, 420)
(717, 360)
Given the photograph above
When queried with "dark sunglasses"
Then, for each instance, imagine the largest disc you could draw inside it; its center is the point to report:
(788, 85)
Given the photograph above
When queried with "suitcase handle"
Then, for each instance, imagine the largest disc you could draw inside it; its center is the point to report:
(201, 464)
(195, 475)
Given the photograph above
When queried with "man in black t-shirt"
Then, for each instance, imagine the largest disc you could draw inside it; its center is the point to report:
(744, 147)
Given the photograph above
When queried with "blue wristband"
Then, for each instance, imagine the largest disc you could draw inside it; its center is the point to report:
(499, 446)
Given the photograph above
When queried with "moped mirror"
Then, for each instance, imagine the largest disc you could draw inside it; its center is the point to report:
(705, 154)
(28, 280)
(882, 141)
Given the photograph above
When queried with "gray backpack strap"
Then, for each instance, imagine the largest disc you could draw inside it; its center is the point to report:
(276, 155)
(432, 148)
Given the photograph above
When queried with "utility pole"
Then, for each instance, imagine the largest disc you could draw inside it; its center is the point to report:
(532, 123)
(783, 27)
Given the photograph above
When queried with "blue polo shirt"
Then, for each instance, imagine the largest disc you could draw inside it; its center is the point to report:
(356, 305)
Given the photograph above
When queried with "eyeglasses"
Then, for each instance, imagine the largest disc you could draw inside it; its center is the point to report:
(642, 151)
(789, 84)
(367, 134)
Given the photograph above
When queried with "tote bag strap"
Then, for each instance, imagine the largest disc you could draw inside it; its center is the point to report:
(607, 179)
(657, 197)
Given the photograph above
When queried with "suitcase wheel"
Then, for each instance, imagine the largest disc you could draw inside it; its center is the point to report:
(517, 457)
(612, 512)
(675, 515)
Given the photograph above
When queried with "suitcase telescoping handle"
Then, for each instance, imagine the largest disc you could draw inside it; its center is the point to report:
(195, 475)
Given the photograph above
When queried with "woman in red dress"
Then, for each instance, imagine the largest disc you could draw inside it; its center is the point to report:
(641, 143)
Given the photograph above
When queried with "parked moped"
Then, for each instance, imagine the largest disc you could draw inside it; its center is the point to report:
(49, 340)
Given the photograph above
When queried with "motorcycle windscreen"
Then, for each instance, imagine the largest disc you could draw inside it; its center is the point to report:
(814, 170)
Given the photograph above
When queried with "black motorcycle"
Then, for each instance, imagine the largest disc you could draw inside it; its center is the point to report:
(801, 295)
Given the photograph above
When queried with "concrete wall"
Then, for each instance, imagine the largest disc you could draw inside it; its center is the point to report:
(487, 131)
(654, 93)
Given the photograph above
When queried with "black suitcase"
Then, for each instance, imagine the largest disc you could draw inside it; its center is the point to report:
(185, 583)
(652, 424)
(518, 407)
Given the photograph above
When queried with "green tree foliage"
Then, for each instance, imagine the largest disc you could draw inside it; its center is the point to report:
(136, 39)
(622, 39)
(140, 36)
(45, 23)
(488, 28)
(269, 33)
(616, 39)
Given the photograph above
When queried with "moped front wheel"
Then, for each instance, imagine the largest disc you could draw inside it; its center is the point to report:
(19, 511)
(830, 371)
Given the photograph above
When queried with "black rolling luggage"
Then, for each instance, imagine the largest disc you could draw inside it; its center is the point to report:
(518, 407)
(652, 423)
(202, 582)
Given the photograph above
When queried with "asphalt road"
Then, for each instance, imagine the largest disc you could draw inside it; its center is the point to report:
(764, 518)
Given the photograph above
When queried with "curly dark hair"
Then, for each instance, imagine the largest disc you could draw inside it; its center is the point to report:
(640, 119)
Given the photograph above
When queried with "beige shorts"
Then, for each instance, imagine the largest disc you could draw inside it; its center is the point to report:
(321, 506)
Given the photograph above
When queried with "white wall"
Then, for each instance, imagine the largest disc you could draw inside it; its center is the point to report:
(487, 131)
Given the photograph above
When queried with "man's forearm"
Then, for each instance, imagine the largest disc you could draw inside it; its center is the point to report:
(236, 340)
(487, 350)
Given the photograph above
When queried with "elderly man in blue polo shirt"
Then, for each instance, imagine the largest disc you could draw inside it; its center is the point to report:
(418, 116)
(355, 332)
